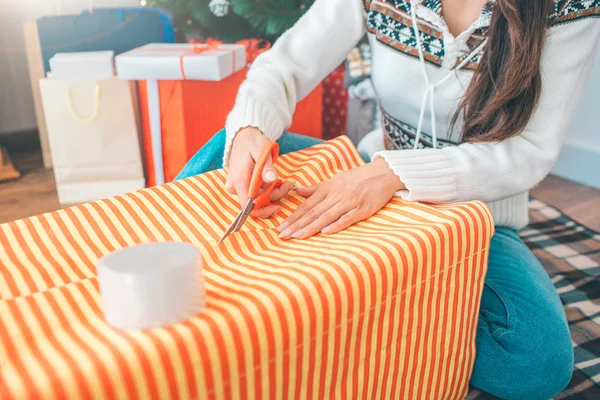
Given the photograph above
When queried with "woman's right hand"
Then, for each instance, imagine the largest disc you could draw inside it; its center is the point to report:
(247, 146)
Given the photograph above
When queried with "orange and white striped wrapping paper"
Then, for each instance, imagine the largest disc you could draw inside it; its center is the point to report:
(385, 309)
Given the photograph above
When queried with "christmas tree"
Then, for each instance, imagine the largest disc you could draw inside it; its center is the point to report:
(233, 20)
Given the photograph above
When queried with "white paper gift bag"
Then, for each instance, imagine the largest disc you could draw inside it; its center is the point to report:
(93, 135)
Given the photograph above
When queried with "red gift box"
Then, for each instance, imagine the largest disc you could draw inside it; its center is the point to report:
(191, 112)
(335, 104)
(186, 92)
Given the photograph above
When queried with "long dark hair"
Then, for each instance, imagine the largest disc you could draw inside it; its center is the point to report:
(506, 85)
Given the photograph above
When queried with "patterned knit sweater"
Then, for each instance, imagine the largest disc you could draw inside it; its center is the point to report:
(501, 174)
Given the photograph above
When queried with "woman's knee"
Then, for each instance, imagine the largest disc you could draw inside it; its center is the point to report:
(524, 348)
(525, 365)
(220, 134)
(208, 158)
(549, 368)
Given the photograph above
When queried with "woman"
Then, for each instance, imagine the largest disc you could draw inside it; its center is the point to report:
(477, 97)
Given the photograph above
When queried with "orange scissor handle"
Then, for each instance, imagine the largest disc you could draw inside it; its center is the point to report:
(264, 199)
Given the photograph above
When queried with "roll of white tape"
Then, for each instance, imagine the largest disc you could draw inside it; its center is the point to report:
(151, 285)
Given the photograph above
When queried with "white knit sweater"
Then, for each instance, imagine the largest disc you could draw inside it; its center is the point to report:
(501, 174)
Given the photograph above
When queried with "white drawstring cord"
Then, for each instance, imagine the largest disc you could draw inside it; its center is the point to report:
(433, 125)
(430, 92)
(424, 71)
(421, 115)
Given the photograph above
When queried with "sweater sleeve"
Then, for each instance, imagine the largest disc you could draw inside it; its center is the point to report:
(298, 61)
(493, 171)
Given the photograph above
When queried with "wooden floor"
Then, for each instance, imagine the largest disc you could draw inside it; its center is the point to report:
(34, 193)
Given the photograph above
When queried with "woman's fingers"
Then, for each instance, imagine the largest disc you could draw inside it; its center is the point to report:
(345, 221)
(297, 228)
(240, 182)
(302, 209)
(246, 148)
(257, 145)
(267, 212)
(238, 177)
(306, 191)
(280, 192)
(268, 173)
(326, 218)
(276, 195)
(229, 186)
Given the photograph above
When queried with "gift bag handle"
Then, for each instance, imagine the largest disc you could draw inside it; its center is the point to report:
(72, 110)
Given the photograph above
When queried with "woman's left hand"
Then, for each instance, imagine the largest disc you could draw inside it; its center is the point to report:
(344, 200)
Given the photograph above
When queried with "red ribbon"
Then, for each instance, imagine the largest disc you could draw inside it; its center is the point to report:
(254, 47)
(198, 48)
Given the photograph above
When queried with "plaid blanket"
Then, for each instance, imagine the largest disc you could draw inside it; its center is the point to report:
(570, 252)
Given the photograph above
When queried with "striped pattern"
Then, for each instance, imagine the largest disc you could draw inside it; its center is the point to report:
(385, 309)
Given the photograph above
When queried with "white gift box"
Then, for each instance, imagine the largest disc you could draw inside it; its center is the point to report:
(82, 65)
(169, 61)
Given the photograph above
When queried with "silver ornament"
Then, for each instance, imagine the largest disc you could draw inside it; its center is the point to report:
(219, 8)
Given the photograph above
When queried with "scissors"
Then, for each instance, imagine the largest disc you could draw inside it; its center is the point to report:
(256, 200)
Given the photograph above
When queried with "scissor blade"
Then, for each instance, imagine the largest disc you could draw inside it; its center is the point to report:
(239, 220)
(229, 230)
(244, 214)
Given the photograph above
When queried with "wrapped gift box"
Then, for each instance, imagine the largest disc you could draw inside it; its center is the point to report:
(386, 309)
(180, 115)
(167, 61)
(82, 65)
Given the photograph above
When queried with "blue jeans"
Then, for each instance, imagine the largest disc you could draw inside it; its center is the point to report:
(524, 347)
